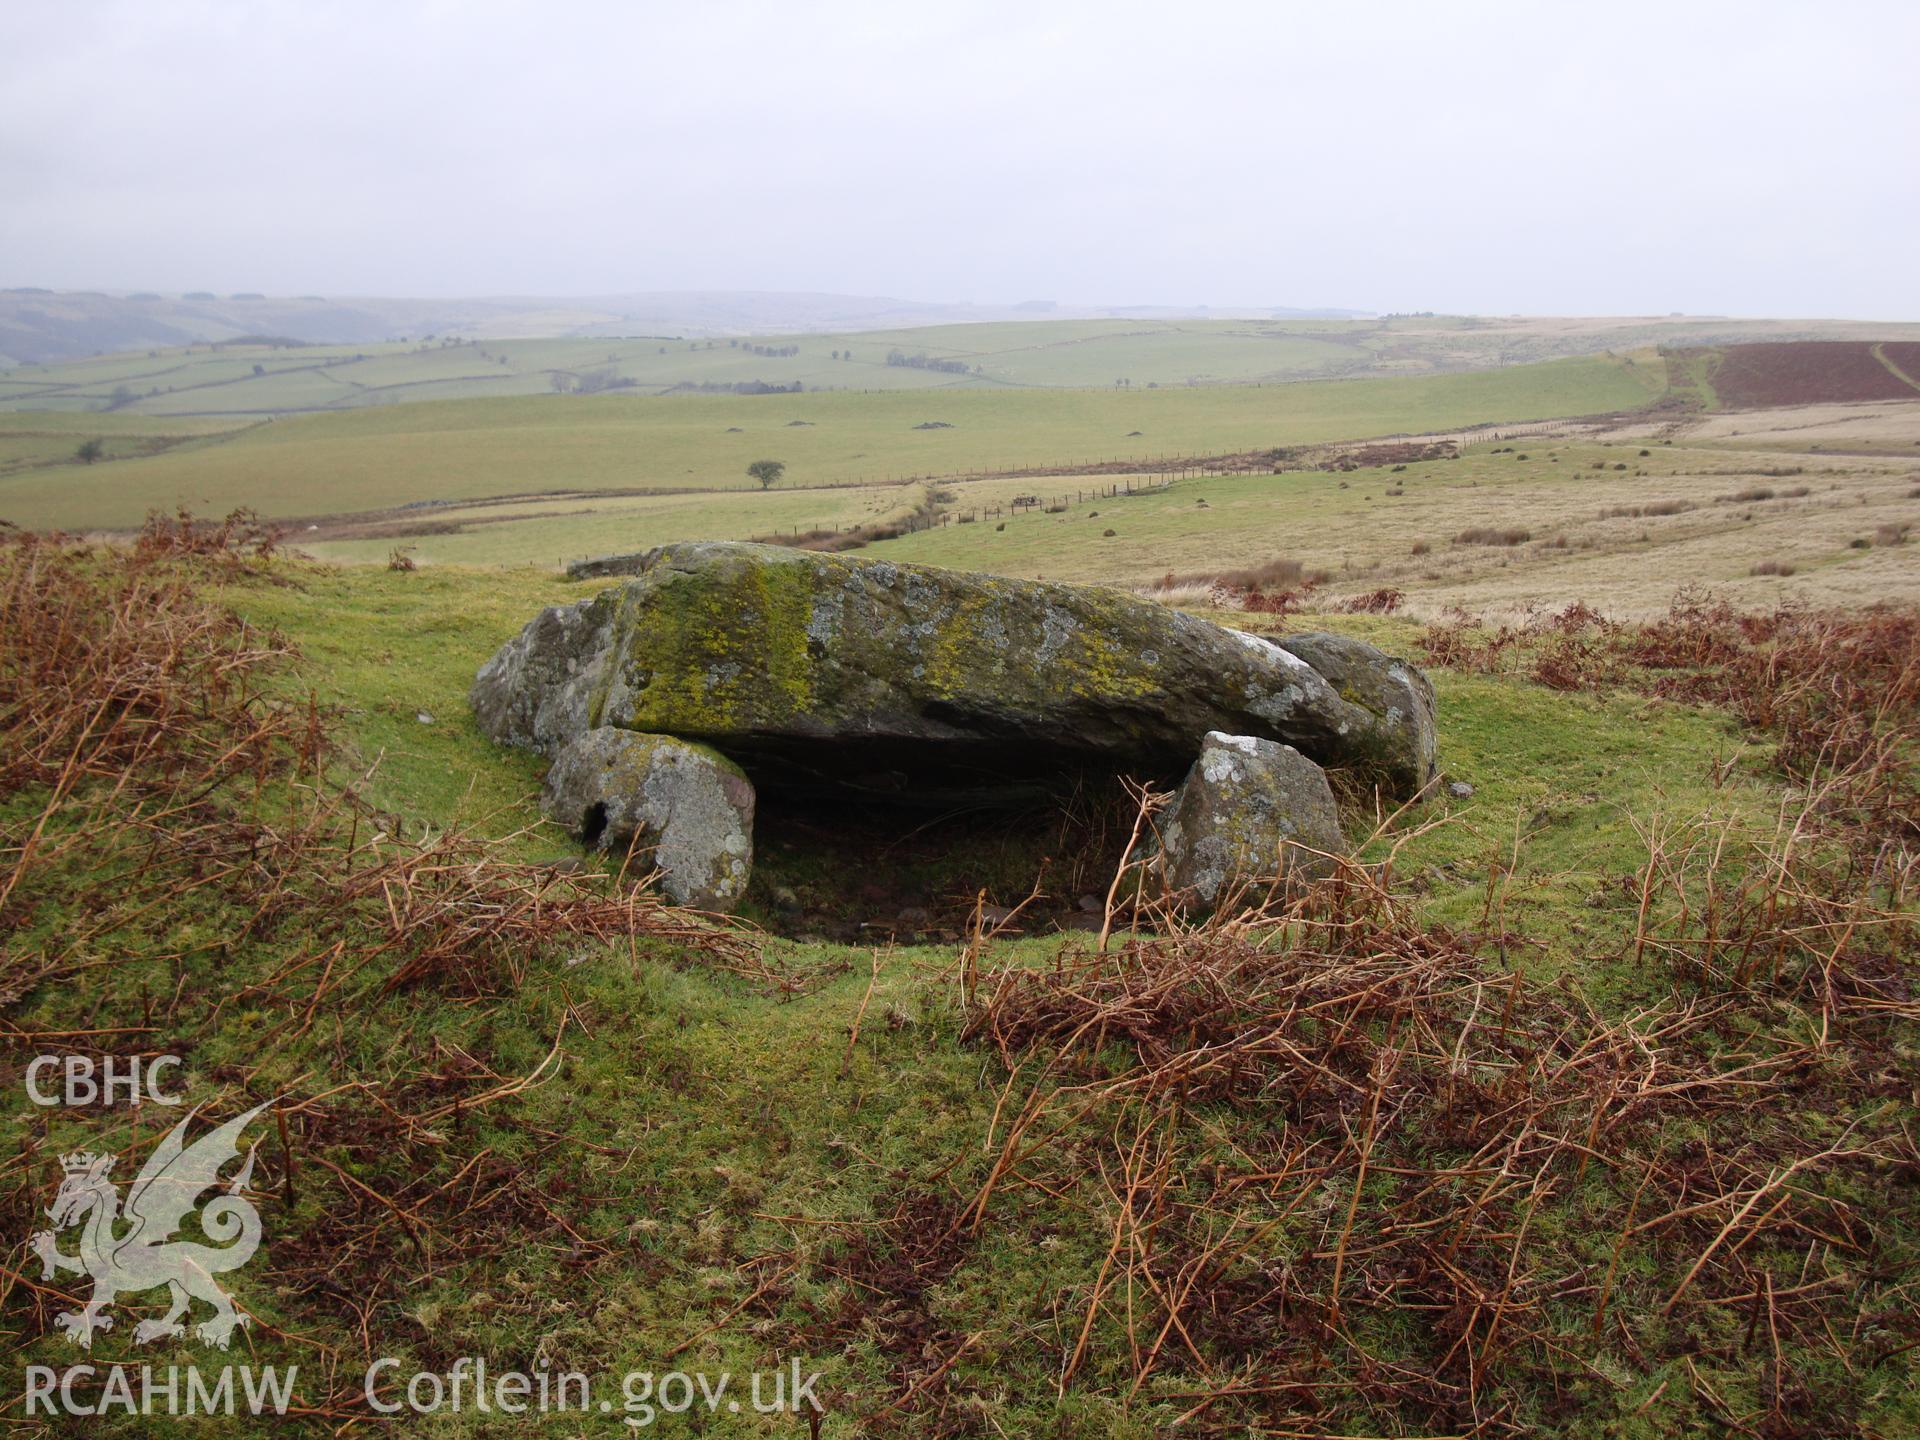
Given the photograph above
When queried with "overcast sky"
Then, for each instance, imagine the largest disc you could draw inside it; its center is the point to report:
(1744, 158)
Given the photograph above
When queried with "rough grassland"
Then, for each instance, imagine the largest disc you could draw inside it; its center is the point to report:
(376, 458)
(1574, 500)
(701, 1138)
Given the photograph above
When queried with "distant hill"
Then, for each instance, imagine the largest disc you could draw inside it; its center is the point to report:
(270, 359)
(43, 326)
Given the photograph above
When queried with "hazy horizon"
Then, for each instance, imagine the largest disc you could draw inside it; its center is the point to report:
(1221, 310)
(1488, 159)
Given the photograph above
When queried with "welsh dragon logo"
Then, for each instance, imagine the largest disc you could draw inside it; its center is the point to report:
(133, 1249)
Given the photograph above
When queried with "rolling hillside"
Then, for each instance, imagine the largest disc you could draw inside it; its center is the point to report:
(377, 458)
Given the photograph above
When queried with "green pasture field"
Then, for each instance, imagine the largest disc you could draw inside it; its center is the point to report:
(38, 439)
(549, 532)
(1073, 353)
(374, 458)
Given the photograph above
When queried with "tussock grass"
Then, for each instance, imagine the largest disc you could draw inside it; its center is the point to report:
(1492, 535)
(1652, 508)
(1755, 493)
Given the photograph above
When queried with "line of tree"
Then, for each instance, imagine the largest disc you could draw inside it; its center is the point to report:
(741, 387)
(588, 382)
(928, 362)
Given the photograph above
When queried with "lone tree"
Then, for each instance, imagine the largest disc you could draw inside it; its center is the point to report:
(767, 472)
(90, 451)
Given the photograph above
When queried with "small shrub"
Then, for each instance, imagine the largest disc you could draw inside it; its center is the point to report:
(1108, 534)
(1420, 547)
(1891, 534)
(1374, 602)
(1859, 542)
(1772, 567)
(1645, 453)
(1742, 497)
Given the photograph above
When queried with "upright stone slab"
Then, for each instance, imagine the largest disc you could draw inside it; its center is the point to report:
(614, 789)
(1250, 810)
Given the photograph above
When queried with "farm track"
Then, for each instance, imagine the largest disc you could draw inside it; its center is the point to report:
(1880, 354)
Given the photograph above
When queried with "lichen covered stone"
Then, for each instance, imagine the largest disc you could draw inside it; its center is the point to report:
(691, 808)
(1396, 695)
(759, 649)
(536, 691)
(1250, 812)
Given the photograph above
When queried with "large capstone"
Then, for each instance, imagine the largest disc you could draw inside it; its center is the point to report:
(796, 662)
(691, 808)
(1250, 813)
